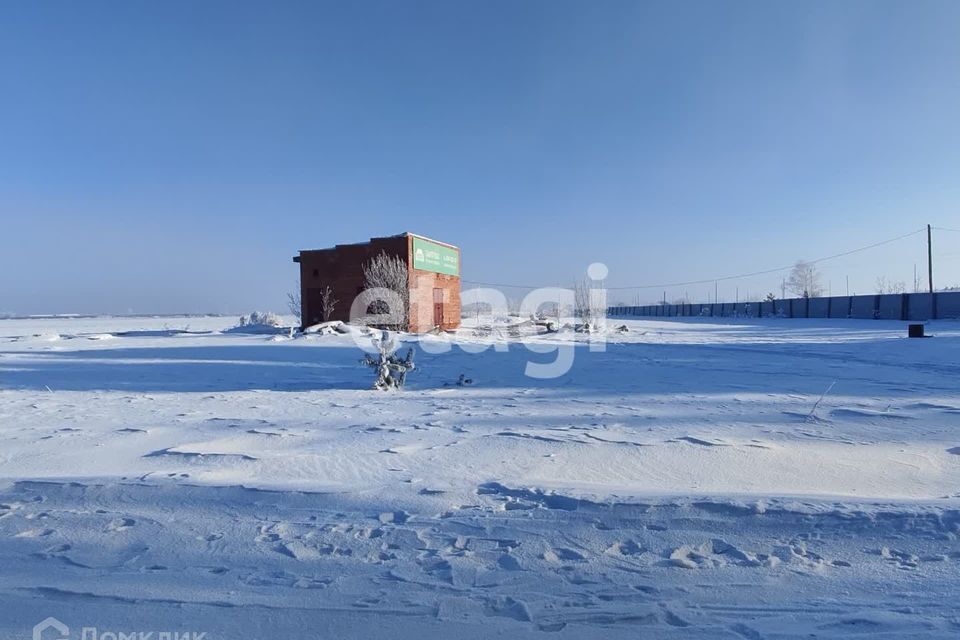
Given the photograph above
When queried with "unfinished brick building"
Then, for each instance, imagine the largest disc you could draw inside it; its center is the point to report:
(433, 277)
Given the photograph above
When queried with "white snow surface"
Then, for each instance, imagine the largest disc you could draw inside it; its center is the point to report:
(166, 474)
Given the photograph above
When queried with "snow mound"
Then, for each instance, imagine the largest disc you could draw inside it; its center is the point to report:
(336, 327)
(258, 322)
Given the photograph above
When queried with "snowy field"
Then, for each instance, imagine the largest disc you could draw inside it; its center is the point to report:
(679, 484)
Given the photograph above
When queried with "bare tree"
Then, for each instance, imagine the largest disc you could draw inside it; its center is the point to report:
(804, 280)
(881, 284)
(293, 302)
(389, 272)
(327, 303)
(586, 306)
(885, 286)
(581, 300)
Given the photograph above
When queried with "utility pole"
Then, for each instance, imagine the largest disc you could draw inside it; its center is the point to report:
(930, 258)
(848, 286)
(715, 294)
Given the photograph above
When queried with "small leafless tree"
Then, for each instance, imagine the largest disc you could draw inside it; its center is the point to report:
(293, 302)
(586, 305)
(885, 286)
(389, 272)
(327, 303)
(391, 369)
(804, 280)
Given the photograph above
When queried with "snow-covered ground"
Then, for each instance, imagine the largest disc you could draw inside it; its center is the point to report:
(160, 475)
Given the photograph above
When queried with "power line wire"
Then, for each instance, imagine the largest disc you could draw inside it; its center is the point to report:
(946, 229)
(725, 278)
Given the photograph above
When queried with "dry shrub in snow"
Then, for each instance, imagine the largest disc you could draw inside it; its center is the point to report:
(260, 319)
(293, 302)
(588, 307)
(328, 303)
(391, 370)
(389, 272)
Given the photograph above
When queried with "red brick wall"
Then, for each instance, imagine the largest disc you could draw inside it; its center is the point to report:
(341, 267)
(422, 284)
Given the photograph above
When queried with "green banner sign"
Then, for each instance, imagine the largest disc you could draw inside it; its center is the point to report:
(438, 258)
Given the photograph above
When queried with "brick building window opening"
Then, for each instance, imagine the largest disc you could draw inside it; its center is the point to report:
(378, 307)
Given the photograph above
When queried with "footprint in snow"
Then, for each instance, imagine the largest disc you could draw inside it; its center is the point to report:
(702, 443)
(509, 563)
(34, 533)
(626, 548)
(507, 607)
(560, 553)
(393, 517)
(903, 559)
(121, 524)
(713, 553)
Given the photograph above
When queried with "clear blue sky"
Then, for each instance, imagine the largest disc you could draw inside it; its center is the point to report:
(172, 156)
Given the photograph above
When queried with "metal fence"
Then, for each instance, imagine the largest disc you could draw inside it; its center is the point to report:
(898, 306)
